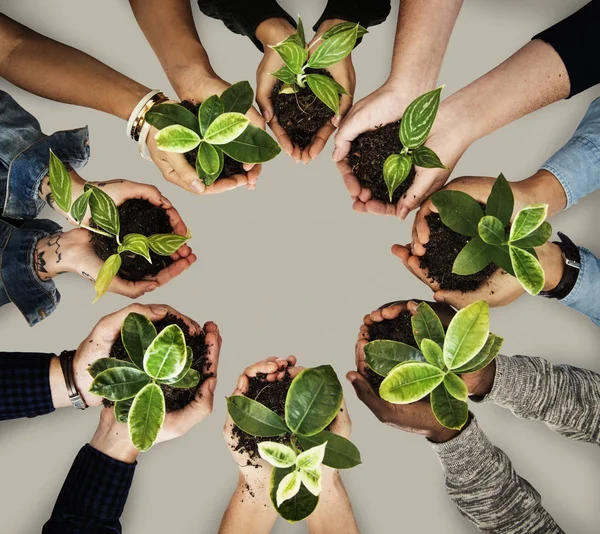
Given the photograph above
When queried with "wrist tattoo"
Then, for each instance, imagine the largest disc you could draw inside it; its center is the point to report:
(88, 277)
(50, 252)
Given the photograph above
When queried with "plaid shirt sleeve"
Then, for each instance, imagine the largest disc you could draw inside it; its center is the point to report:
(24, 385)
(93, 496)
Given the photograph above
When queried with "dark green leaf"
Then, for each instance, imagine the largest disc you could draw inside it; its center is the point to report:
(166, 355)
(485, 356)
(491, 230)
(426, 158)
(300, 33)
(293, 55)
(137, 244)
(121, 410)
(106, 275)
(419, 118)
(427, 325)
(298, 507)
(474, 257)
(80, 206)
(238, 98)
(146, 416)
(163, 115)
(326, 90)
(537, 238)
(167, 244)
(410, 382)
(106, 363)
(528, 270)
(104, 210)
(396, 169)
(60, 183)
(340, 453)
(501, 257)
(458, 211)
(501, 201)
(285, 75)
(252, 146)
(383, 355)
(119, 383)
(254, 418)
(210, 109)
(334, 49)
(449, 412)
(137, 333)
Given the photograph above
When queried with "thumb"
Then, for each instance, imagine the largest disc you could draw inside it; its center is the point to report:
(202, 405)
(347, 132)
(264, 90)
(184, 175)
(365, 392)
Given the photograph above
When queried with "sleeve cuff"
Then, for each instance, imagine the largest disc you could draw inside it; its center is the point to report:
(29, 167)
(585, 295)
(364, 12)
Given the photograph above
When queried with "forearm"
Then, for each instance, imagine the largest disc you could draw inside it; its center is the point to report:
(52, 70)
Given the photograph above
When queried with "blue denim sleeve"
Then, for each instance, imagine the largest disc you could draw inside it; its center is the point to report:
(24, 157)
(19, 282)
(585, 296)
(576, 164)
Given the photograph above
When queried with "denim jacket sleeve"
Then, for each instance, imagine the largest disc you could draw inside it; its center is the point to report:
(24, 157)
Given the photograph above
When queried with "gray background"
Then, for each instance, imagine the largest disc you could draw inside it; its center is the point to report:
(291, 269)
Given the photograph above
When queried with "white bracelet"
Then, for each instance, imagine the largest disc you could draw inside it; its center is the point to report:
(137, 109)
(143, 146)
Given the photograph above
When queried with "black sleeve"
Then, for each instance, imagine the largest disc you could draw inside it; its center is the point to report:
(365, 12)
(576, 41)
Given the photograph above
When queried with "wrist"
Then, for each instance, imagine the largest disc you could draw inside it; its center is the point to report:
(48, 258)
(442, 435)
(112, 438)
(58, 387)
(543, 187)
(272, 31)
(480, 383)
(551, 259)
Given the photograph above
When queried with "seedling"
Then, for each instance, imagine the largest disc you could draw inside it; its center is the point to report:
(134, 385)
(221, 127)
(415, 126)
(312, 403)
(411, 374)
(105, 215)
(513, 251)
(339, 41)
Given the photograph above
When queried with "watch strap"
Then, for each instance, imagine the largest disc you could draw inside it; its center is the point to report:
(572, 260)
(66, 363)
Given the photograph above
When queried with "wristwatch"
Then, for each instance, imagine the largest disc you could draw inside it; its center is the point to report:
(572, 260)
(66, 364)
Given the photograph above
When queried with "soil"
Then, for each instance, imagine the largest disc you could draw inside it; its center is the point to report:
(301, 114)
(140, 217)
(443, 247)
(230, 166)
(368, 153)
(398, 329)
(175, 398)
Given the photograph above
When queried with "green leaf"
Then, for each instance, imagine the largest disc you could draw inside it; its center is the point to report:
(528, 270)
(177, 139)
(210, 109)
(427, 158)
(254, 418)
(334, 49)
(382, 355)
(474, 257)
(396, 169)
(449, 412)
(298, 507)
(210, 179)
(285, 75)
(456, 387)
(537, 238)
(225, 128)
(189, 381)
(136, 243)
(342, 27)
(137, 333)
(484, 357)
(419, 118)
(163, 115)
(300, 32)
(106, 275)
(501, 257)
(189, 358)
(311, 458)
(238, 98)
(293, 55)
(146, 416)
(121, 410)
(167, 244)
(491, 230)
(501, 201)
(340, 453)
(277, 454)
(288, 89)
(529, 219)
(427, 325)
(80, 206)
(458, 211)
(166, 355)
(208, 156)
(313, 400)
(60, 183)
(466, 335)
(107, 363)
(326, 90)
(252, 146)
(410, 382)
(119, 383)
(288, 487)
(433, 353)
(104, 210)
(311, 478)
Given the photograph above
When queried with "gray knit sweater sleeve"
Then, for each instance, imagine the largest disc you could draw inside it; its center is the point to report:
(564, 397)
(483, 484)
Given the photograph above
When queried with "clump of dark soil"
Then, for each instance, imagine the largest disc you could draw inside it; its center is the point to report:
(398, 329)
(443, 247)
(368, 153)
(137, 217)
(175, 398)
(230, 166)
(301, 114)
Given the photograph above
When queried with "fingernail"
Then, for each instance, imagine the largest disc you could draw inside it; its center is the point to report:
(336, 154)
(159, 310)
(198, 186)
(166, 202)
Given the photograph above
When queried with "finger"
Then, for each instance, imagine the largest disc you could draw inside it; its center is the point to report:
(179, 228)
(320, 140)
(365, 393)
(132, 290)
(223, 185)
(359, 206)
(265, 367)
(404, 254)
(359, 355)
(380, 208)
(113, 322)
(421, 231)
(350, 180)
(297, 154)
(264, 89)
(256, 118)
(363, 332)
(144, 192)
(414, 264)
(282, 137)
(295, 371)
(173, 270)
(182, 174)
(253, 175)
(212, 340)
(201, 407)
(364, 195)
(349, 129)
(392, 312)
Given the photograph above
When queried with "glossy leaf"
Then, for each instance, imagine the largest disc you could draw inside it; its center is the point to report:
(208, 156)
(342, 27)
(537, 238)
(427, 325)
(277, 454)
(121, 410)
(300, 33)
(288, 487)
(474, 257)
(466, 335)
(106, 275)
(311, 458)
(491, 230)
(529, 219)
(311, 479)
(340, 453)
(146, 416)
(80, 206)
(449, 412)
(167, 244)
(528, 270)
(189, 359)
(313, 400)
(382, 355)
(334, 49)
(210, 179)
(137, 333)
(501, 202)
(410, 382)
(177, 138)
(254, 418)
(298, 507)
(104, 210)
(137, 244)
(189, 381)
(396, 169)
(238, 98)
(326, 90)
(433, 353)
(225, 128)
(60, 183)
(107, 363)
(419, 118)
(458, 211)
(456, 387)
(119, 383)
(501, 257)
(484, 357)
(210, 109)
(252, 146)
(426, 158)
(285, 75)
(293, 55)
(163, 115)
(166, 355)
